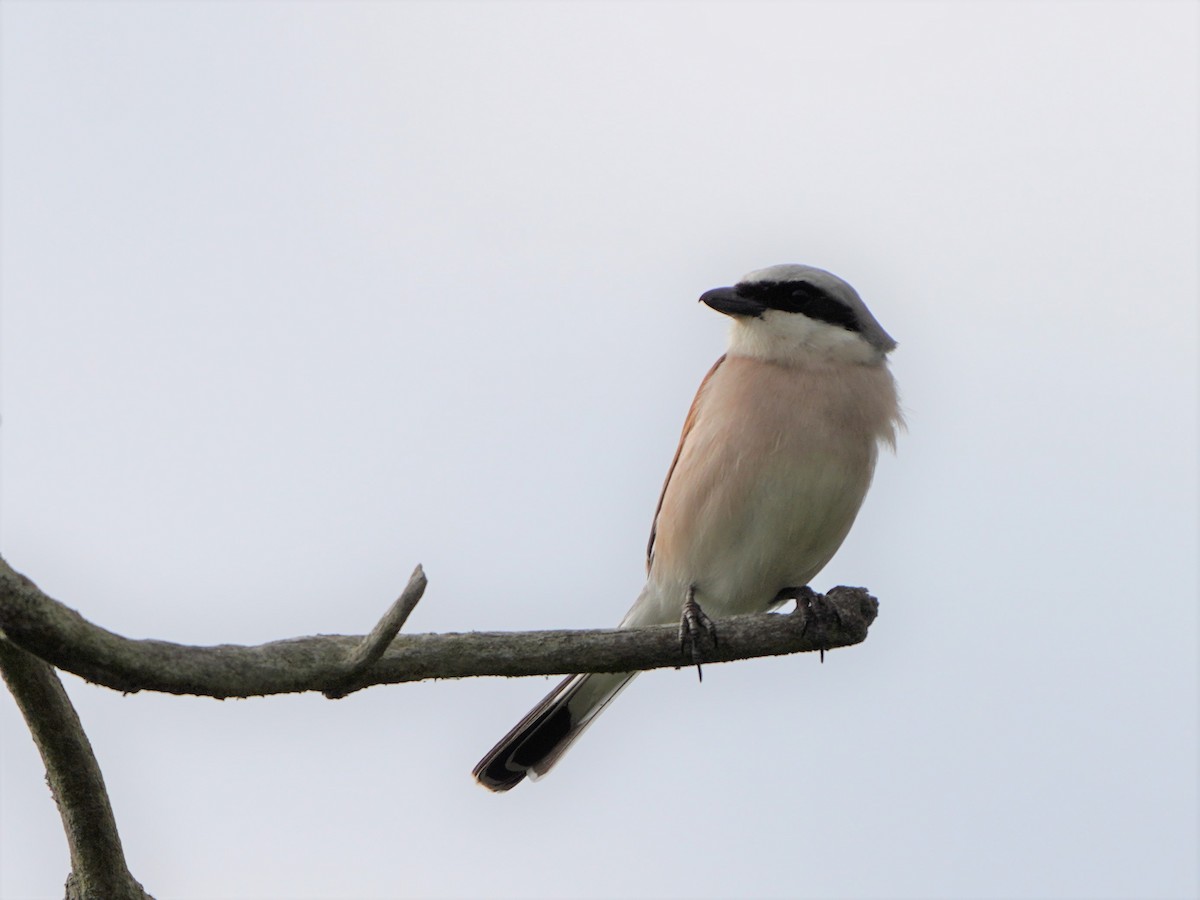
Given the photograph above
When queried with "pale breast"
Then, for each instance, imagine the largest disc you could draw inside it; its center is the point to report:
(768, 481)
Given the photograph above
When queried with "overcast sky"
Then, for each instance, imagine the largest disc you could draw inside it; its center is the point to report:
(294, 296)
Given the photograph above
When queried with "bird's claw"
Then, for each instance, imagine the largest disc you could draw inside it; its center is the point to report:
(817, 610)
(693, 624)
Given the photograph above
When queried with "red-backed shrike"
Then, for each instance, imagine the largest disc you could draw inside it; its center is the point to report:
(776, 455)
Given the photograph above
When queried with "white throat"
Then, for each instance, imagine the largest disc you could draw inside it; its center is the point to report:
(788, 338)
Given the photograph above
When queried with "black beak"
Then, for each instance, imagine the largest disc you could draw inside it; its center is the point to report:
(727, 300)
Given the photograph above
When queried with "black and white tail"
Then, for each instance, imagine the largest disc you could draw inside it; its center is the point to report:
(547, 732)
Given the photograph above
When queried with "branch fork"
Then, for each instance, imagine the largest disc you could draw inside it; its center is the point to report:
(368, 651)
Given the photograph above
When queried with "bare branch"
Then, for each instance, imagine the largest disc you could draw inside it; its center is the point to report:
(368, 651)
(61, 636)
(98, 868)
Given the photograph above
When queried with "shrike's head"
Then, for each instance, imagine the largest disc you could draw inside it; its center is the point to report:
(791, 313)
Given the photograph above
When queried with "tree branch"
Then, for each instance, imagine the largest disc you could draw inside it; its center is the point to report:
(98, 868)
(370, 648)
(62, 637)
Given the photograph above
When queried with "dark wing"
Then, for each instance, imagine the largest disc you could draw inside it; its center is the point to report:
(687, 427)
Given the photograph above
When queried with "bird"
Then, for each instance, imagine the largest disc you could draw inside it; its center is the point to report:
(775, 458)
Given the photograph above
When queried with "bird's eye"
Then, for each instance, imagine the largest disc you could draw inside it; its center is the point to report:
(813, 302)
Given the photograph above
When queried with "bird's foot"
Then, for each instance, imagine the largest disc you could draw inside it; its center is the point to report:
(817, 609)
(694, 624)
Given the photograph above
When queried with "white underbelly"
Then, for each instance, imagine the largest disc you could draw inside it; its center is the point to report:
(766, 486)
(749, 538)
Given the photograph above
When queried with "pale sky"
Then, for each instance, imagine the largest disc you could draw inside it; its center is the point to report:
(294, 296)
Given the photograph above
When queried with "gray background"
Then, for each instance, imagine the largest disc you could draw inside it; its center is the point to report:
(296, 296)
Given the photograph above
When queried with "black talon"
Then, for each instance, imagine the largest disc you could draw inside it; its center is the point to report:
(817, 609)
(692, 623)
